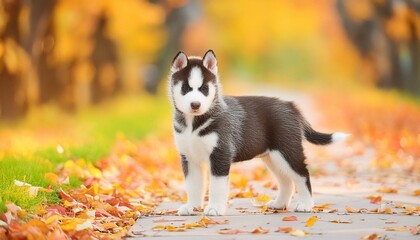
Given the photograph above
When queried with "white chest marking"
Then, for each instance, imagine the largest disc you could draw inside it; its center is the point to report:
(196, 148)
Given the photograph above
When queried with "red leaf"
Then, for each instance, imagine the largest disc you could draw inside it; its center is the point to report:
(377, 199)
(56, 209)
(65, 196)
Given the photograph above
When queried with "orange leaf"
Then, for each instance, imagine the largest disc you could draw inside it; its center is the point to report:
(372, 236)
(387, 190)
(260, 230)
(377, 199)
(325, 205)
(388, 211)
(51, 177)
(231, 231)
(311, 221)
(290, 218)
(351, 210)
(285, 230)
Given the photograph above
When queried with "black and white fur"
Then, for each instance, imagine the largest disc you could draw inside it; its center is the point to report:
(216, 130)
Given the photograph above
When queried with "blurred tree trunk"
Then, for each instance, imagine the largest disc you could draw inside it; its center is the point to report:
(378, 30)
(40, 45)
(12, 100)
(104, 57)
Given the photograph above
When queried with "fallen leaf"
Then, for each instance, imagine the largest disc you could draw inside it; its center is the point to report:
(231, 231)
(340, 221)
(311, 221)
(171, 228)
(298, 233)
(416, 192)
(206, 221)
(64, 195)
(397, 229)
(372, 236)
(391, 222)
(285, 230)
(263, 198)
(387, 211)
(51, 177)
(387, 190)
(351, 210)
(193, 225)
(289, 218)
(415, 230)
(260, 230)
(377, 199)
(325, 205)
(169, 220)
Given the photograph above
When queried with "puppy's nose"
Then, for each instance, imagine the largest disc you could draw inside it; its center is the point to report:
(195, 105)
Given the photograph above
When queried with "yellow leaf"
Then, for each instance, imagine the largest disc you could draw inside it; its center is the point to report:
(325, 205)
(51, 177)
(159, 227)
(94, 171)
(171, 228)
(70, 224)
(263, 198)
(311, 221)
(109, 225)
(193, 225)
(53, 219)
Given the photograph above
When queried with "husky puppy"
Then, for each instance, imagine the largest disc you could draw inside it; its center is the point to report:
(216, 130)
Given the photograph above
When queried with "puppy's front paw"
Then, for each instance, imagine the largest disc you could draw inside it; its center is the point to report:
(304, 206)
(186, 209)
(212, 210)
(273, 204)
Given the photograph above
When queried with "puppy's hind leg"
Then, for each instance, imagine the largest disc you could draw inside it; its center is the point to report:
(292, 163)
(284, 182)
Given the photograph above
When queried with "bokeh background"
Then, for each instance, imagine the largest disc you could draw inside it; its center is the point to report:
(83, 90)
(77, 53)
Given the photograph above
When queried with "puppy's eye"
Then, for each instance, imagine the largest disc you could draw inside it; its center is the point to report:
(204, 89)
(185, 88)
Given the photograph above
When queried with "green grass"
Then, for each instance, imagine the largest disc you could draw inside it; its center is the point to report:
(88, 134)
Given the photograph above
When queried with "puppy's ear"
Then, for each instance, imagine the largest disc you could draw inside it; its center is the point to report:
(180, 61)
(210, 61)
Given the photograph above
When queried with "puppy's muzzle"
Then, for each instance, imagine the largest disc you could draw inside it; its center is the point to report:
(195, 105)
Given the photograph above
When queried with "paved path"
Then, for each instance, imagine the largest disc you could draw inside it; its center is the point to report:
(342, 178)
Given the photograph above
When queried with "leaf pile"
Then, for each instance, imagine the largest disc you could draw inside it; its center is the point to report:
(119, 189)
(382, 120)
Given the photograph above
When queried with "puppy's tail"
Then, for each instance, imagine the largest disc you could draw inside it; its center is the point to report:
(322, 138)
